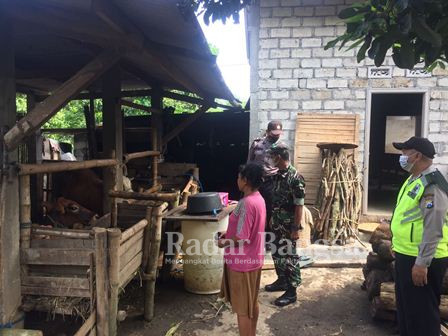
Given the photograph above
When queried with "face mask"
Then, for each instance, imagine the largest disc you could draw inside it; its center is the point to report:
(405, 164)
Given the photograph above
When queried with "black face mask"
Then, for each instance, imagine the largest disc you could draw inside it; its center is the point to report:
(273, 138)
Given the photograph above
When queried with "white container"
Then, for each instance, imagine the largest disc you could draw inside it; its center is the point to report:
(203, 260)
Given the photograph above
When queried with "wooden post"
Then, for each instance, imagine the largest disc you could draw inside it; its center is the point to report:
(34, 145)
(112, 134)
(102, 304)
(147, 236)
(156, 118)
(10, 295)
(114, 236)
(155, 159)
(89, 115)
(25, 218)
(151, 268)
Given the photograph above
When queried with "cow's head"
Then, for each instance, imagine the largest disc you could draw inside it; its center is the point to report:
(69, 214)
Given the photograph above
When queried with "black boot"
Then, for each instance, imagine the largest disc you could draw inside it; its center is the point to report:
(290, 296)
(278, 285)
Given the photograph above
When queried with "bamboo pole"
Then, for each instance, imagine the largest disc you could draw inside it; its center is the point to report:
(133, 230)
(151, 267)
(131, 156)
(163, 197)
(29, 169)
(147, 237)
(114, 237)
(74, 234)
(102, 320)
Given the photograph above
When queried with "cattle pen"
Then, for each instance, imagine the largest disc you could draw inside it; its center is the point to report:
(56, 52)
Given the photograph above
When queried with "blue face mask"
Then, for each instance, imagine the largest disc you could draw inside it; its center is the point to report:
(405, 164)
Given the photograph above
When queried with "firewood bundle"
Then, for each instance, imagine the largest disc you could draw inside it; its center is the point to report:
(339, 196)
(379, 277)
(379, 270)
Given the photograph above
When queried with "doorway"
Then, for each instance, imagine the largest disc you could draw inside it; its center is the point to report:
(394, 117)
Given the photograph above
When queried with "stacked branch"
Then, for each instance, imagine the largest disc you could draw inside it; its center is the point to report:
(339, 197)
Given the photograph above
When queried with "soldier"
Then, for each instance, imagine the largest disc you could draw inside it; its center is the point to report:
(258, 154)
(288, 199)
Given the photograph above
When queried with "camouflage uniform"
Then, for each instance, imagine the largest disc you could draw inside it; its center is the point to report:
(289, 191)
(258, 153)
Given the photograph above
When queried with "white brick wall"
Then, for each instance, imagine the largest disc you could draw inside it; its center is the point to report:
(296, 74)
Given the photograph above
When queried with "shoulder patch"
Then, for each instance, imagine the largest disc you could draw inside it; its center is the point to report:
(429, 203)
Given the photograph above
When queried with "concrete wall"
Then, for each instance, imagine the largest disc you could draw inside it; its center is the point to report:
(291, 72)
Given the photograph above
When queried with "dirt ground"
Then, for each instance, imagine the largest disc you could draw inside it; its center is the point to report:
(330, 303)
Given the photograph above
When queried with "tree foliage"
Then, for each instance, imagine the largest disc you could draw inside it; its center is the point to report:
(415, 30)
(214, 10)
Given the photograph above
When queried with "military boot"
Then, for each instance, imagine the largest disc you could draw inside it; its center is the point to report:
(290, 296)
(278, 285)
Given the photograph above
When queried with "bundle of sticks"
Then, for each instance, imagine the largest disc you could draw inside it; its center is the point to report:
(339, 197)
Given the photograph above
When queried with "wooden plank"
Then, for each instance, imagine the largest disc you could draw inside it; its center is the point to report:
(74, 234)
(28, 169)
(312, 128)
(130, 253)
(58, 270)
(56, 282)
(139, 155)
(60, 97)
(128, 271)
(124, 246)
(88, 325)
(50, 256)
(148, 109)
(46, 291)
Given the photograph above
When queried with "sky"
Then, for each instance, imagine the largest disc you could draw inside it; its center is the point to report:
(230, 39)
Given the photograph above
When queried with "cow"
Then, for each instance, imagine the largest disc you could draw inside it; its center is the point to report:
(66, 213)
(84, 187)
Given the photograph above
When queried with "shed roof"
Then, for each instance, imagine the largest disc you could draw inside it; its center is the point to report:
(162, 46)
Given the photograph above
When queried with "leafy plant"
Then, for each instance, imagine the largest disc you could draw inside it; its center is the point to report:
(415, 30)
(214, 10)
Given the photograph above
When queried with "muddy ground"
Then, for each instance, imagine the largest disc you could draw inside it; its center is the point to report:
(330, 303)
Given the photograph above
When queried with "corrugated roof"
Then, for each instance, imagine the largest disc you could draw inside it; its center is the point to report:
(54, 38)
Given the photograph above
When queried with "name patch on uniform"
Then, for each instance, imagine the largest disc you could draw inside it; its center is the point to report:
(413, 193)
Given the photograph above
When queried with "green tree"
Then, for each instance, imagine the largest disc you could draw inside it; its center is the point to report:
(415, 30)
(214, 10)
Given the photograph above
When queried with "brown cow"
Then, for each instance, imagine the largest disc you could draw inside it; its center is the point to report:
(69, 214)
(82, 186)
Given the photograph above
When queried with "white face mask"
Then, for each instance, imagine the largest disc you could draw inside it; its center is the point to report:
(405, 164)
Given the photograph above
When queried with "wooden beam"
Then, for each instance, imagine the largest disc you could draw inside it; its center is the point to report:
(187, 122)
(117, 20)
(29, 169)
(156, 120)
(89, 115)
(112, 134)
(138, 155)
(46, 109)
(148, 109)
(10, 296)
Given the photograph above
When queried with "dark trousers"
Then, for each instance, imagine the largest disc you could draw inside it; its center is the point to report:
(418, 307)
(286, 261)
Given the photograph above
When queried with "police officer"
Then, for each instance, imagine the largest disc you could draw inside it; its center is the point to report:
(288, 199)
(258, 154)
(420, 240)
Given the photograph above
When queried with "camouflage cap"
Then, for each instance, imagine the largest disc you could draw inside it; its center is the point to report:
(278, 148)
